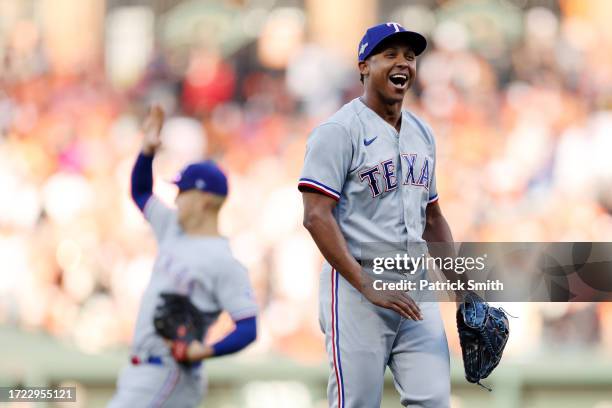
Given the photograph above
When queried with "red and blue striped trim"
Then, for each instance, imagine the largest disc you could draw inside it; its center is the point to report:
(433, 199)
(320, 187)
(167, 388)
(336, 338)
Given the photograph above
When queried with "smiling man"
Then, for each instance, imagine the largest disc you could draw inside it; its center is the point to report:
(369, 177)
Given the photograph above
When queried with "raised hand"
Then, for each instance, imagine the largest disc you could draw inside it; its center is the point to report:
(151, 129)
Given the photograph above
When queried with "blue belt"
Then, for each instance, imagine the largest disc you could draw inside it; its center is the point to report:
(154, 360)
(157, 360)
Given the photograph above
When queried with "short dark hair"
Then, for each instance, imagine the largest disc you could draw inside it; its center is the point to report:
(361, 78)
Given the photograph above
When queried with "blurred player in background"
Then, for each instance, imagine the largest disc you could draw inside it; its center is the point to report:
(369, 177)
(193, 260)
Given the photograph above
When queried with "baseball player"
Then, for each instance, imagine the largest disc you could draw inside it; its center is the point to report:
(369, 176)
(193, 260)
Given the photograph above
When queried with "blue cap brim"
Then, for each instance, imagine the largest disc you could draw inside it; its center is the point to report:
(417, 42)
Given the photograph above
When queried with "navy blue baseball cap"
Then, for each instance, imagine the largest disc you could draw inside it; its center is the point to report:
(204, 176)
(375, 35)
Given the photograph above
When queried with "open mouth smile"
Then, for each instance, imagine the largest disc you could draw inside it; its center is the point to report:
(399, 81)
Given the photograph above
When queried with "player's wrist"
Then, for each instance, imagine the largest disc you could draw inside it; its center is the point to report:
(365, 283)
(208, 352)
(148, 151)
(198, 351)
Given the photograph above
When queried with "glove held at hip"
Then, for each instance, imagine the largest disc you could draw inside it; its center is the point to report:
(177, 319)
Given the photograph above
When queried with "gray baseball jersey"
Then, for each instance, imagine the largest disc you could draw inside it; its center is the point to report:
(383, 181)
(201, 267)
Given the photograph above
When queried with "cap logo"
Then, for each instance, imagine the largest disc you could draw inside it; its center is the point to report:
(396, 26)
(363, 48)
(199, 183)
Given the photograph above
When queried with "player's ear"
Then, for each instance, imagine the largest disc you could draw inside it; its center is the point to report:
(204, 202)
(212, 202)
(364, 68)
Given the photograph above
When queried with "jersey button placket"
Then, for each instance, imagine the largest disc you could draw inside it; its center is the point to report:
(405, 193)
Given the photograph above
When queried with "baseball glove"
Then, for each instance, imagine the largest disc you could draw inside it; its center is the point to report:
(483, 333)
(178, 320)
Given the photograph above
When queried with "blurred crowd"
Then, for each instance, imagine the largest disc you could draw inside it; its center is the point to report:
(519, 97)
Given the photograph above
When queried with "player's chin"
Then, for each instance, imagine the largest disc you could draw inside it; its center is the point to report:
(397, 92)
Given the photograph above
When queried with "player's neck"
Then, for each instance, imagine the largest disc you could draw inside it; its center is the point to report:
(389, 112)
(207, 226)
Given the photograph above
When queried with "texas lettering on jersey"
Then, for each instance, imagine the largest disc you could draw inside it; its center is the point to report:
(355, 156)
(386, 172)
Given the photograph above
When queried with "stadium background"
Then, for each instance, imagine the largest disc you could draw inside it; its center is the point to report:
(519, 94)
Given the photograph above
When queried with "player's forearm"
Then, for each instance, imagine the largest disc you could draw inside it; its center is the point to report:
(437, 230)
(142, 180)
(438, 235)
(329, 239)
(244, 334)
(148, 150)
(440, 239)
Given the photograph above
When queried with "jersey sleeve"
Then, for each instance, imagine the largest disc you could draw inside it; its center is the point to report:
(433, 189)
(234, 292)
(433, 192)
(160, 216)
(329, 152)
